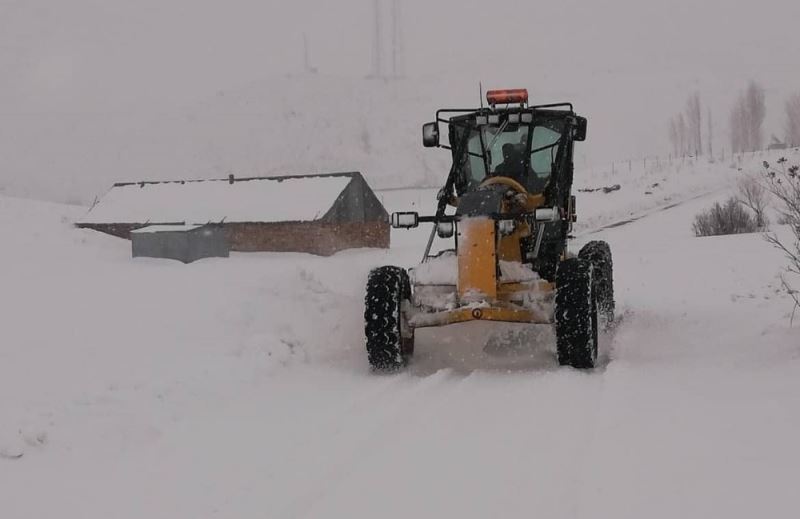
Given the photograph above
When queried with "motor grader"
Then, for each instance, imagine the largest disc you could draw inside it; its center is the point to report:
(508, 209)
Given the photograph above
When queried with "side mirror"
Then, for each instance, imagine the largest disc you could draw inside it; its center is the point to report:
(580, 129)
(405, 220)
(430, 135)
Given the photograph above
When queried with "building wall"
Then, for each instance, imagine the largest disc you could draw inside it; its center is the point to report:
(322, 238)
(185, 246)
(314, 237)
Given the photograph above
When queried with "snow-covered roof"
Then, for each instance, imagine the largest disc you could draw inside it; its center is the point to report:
(273, 199)
(166, 228)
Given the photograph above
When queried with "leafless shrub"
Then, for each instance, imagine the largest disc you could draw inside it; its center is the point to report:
(727, 218)
(754, 196)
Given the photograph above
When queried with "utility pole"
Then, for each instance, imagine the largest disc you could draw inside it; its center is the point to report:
(377, 71)
(397, 38)
(306, 60)
(387, 46)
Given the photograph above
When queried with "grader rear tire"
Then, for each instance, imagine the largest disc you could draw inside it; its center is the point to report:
(576, 314)
(599, 254)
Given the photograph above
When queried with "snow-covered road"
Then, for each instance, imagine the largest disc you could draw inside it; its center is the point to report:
(240, 388)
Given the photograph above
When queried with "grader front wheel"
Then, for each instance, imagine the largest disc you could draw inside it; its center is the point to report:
(389, 343)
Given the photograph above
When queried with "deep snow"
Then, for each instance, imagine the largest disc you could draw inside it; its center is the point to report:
(239, 387)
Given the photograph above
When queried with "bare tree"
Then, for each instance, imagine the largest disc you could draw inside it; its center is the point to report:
(673, 136)
(793, 121)
(753, 195)
(694, 120)
(737, 124)
(685, 129)
(784, 184)
(678, 135)
(756, 110)
(710, 135)
(747, 119)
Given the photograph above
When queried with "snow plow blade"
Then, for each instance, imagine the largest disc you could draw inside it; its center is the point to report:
(462, 315)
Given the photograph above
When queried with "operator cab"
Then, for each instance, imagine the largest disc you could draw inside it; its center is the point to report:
(525, 152)
(531, 145)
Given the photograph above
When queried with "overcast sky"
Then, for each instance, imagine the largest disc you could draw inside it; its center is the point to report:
(630, 62)
(54, 50)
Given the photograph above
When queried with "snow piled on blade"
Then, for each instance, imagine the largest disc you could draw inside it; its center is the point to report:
(516, 272)
(438, 270)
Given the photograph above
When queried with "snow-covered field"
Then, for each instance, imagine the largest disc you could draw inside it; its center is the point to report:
(240, 388)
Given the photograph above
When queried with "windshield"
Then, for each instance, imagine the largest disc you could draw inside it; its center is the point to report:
(509, 154)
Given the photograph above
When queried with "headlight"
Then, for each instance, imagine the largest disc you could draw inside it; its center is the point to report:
(445, 229)
(407, 220)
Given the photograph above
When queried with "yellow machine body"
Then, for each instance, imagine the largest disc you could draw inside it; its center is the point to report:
(477, 261)
(481, 292)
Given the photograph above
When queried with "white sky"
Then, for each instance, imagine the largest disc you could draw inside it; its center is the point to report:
(628, 64)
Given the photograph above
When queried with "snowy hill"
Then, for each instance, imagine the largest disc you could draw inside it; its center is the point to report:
(239, 387)
(290, 125)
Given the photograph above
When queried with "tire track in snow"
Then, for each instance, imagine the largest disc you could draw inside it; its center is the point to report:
(487, 442)
(324, 447)
(479, 425)
(335, 464)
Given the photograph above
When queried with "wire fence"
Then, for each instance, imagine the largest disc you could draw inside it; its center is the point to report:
(658, 163)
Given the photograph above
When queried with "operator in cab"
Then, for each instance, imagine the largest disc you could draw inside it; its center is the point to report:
(513, 167)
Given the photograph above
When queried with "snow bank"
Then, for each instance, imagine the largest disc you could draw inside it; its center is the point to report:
(651, 186)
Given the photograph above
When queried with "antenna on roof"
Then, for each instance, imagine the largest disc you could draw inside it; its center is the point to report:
(480, 93)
